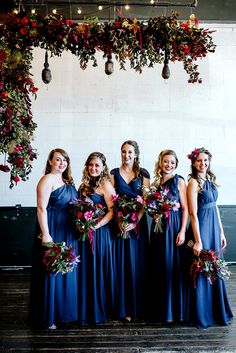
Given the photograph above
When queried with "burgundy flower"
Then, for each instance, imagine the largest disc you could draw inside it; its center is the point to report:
(4, 168)
(24, 20)
(34, 24)
(23, 31)
(4, 95)
(16, 179)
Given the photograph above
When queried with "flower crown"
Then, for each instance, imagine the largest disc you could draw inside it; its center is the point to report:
(194, 154)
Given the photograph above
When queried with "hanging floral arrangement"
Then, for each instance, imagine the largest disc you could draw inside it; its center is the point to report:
(142, 44)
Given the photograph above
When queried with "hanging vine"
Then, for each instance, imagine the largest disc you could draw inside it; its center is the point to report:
(127, 40)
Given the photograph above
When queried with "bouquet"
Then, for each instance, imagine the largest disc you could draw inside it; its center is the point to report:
(87, 215)
(126, 211)
(209, 264)
(158, 205)
(60, 258)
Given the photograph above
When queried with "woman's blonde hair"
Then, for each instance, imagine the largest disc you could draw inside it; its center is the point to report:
(158, 165)
(66, 175)
(90, 184)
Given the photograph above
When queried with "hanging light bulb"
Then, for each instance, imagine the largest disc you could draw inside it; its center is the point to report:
(54, 11)
(33, 11)
(46, 73)
(79, 11)
(152, 2)
(15, 11)
(109, 65)
(100, 7)
(166, 70)
(127, 7)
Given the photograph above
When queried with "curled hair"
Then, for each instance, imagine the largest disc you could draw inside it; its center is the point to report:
(90, 184)
(66, 175)
(136, 166)
(158, 165)
(209, 174)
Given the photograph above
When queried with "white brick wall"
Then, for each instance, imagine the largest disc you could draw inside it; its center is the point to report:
(85, 111)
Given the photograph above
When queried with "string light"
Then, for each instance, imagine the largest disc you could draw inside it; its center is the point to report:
(127, 7)
(54, 11)
(79, 11)
(152, 2)
(100, 7)
(33, 11)
(15, 11)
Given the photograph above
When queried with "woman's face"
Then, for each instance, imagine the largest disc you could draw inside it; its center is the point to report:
(202, 163)
(58, 163)
(128, 154)
(168, 164)
(95, 167)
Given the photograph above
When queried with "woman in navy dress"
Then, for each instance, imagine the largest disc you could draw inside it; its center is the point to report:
(96, 273)
(208, 302)
(54, 298)
(130, 255)
(167, 285)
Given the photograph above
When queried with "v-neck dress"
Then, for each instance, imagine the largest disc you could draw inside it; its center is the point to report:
(166, 271)
(130, 257)
(208, 303)
(54, 298)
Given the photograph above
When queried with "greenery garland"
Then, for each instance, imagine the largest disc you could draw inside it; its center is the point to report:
(140, 43)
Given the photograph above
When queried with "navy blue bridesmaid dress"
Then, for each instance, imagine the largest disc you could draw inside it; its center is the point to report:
(130, 257)
(166, 271)
(96, 274)
(54, 298)
(208, 303)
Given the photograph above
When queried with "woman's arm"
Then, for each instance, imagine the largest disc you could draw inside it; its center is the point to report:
(108, 191)
(184, 206)
(192, 195)
(44, 189)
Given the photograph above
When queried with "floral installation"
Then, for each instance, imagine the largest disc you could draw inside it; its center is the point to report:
(59, 258)
(158, 204)
(210, 264)
(126, 211)
(194, 154)
(141, 43)
(86, 215)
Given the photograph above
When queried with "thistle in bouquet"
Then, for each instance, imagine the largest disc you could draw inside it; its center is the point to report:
(126, 211)
(59, 258)
(87, 214)
(210, 264)
(158, 204)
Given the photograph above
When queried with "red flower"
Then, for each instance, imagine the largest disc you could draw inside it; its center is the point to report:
(23, 31)
(186, 49)
(4, 168)
(19, 162)
(34, 24)
(4, 95)
(184, 26)
(69, 22)
(24, 20)
(16, 179)
(117, 24)
(79, 215)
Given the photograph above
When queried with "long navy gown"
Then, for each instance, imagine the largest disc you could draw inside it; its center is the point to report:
(96, 274)
(208, 303)
(54, 298)
(130, 257)
(166, 271)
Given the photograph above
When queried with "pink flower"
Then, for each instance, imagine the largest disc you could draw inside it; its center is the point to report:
(69, 22)
(114, 197)
(134, 216)
(88, 215)
(100, 206)
(140, 199)
(120, 214)
(176, 205)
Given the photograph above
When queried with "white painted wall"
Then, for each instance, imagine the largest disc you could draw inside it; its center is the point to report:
(86, 111)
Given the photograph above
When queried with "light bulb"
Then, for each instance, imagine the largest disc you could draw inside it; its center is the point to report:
(54, 11)
(79, 11)
(100, 7)
(127, 7)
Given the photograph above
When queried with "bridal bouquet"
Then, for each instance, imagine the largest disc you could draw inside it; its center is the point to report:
(158, 205)
(87, 214)
(59, 258)
(126, 211)
(210, 264)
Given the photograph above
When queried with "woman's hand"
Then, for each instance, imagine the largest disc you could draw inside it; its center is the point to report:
(46, 238)
(197, 247)
(180, 238)
(223, 240)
